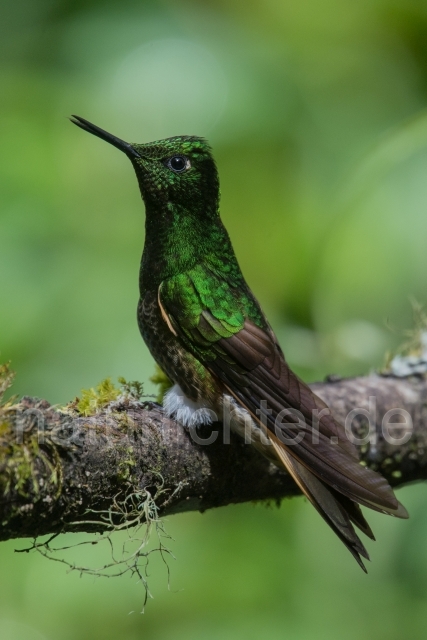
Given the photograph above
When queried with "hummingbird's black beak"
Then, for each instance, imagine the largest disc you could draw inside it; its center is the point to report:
(104, 135)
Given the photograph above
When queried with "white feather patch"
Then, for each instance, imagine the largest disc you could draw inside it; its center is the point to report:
(184, 410)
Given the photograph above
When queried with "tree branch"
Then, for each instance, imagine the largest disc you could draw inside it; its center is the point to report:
(55, 466)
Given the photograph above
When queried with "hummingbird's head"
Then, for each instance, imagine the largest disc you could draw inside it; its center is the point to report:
(176, 171)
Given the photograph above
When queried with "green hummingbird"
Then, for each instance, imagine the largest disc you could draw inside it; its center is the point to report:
(207, 331)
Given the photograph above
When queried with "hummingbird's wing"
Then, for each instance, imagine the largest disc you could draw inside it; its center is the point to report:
(227, 332)
(274, 382)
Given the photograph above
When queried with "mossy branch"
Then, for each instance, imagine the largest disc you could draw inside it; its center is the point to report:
(57, 466)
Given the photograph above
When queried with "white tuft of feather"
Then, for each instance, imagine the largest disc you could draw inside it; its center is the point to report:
(184, 410)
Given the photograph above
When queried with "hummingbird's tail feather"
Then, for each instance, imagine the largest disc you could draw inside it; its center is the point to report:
(355, 514)
(338, 511)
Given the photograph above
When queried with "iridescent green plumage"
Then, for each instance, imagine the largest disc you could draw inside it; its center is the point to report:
(208, 333)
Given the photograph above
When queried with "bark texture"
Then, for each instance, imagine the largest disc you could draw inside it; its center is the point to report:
(56, 466)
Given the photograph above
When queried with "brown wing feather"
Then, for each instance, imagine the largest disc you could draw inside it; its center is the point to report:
(269, 378)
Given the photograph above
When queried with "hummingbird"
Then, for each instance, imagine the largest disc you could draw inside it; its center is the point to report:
(206, 330)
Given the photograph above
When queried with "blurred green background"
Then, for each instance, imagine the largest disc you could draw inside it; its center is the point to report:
(317, 115)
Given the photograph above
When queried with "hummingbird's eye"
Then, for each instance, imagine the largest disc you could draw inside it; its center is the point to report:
(178, 163)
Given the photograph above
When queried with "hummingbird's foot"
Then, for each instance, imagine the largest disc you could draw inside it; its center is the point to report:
(187, 412)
